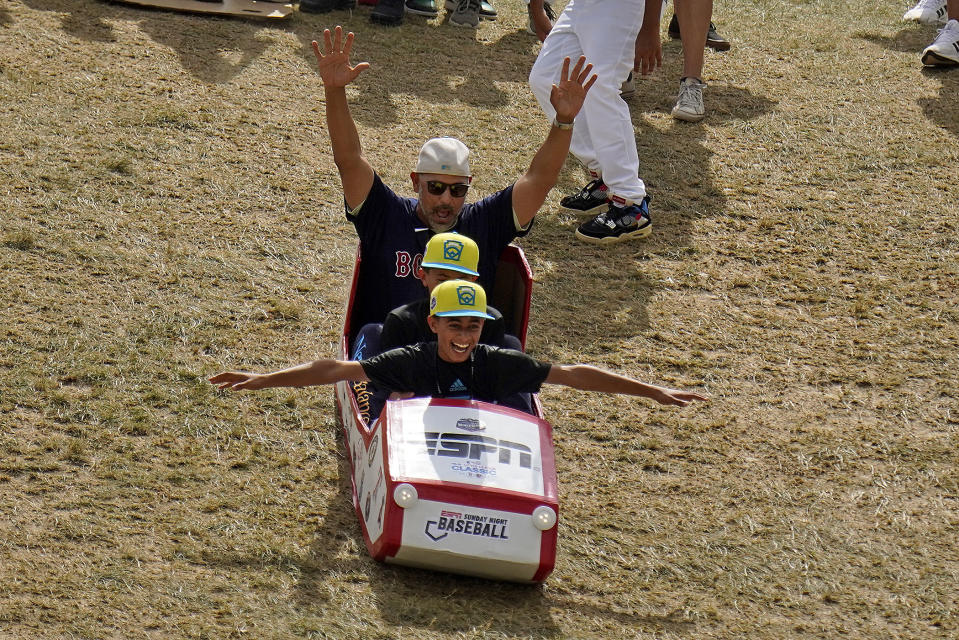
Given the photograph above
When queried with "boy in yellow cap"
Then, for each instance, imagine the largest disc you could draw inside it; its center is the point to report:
(456, 365)
(448, 256)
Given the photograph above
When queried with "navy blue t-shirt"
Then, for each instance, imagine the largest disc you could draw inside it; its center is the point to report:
(393, 238)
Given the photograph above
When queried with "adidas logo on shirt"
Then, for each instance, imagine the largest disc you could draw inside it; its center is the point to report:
(457, 386)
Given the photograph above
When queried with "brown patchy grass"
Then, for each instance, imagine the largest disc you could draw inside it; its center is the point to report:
(171, 208)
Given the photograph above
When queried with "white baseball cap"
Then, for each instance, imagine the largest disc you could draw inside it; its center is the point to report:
(444, 155)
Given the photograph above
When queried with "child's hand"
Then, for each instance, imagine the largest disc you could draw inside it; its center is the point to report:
(649, 53)
(676, 397)
(238, 380)
(568, 95)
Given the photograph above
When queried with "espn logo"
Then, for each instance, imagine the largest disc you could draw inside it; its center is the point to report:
(472, 447)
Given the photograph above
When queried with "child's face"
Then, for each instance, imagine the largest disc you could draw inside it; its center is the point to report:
(456, 336)
(432, 276)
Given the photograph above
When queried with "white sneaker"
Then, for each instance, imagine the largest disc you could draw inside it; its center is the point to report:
(944, 51)
(927, 12)
(689, 104)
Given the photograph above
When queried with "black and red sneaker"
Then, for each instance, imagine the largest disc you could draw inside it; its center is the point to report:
(617, 224)
(592, 198)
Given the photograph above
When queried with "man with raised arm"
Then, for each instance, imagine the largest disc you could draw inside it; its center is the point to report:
(393, 230)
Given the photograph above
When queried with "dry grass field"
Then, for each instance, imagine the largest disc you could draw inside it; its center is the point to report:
(170, 208)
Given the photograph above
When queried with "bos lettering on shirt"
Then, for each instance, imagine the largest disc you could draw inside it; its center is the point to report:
(407, 266)
(392, 241)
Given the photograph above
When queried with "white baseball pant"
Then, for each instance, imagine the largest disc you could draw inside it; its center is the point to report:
(605, 32)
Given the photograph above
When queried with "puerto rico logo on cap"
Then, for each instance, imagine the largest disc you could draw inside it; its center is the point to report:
(466, 295)
(453, 250)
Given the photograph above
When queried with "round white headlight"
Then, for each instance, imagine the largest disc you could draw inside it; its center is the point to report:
(544, 518)
(405, 495)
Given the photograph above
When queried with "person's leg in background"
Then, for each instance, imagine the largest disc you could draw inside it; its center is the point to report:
(694, 20)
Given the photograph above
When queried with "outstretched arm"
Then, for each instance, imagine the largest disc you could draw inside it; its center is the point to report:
(318, 372)
(567, 98)
(587, 378)
(356, 174)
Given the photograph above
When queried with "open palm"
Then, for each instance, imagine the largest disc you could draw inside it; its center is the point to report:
(334, 64)
(237, 380)
(567, 97)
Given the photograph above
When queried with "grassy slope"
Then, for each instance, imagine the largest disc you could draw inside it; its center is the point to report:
(171, 208)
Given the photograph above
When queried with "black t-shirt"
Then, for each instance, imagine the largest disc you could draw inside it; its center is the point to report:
(490, 374)
(407, 325)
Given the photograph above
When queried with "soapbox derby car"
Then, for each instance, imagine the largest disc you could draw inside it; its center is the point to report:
(455, 485)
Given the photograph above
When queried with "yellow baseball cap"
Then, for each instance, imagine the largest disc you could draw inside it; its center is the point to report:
(452, 251)
(458, 298)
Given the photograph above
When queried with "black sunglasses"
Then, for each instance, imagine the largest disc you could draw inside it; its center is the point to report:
(437, 188)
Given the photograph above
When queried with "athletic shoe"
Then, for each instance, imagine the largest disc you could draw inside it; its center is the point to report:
(592, 198)
(927, 12)
(628, 88)
(388, 13)
(422, 8)
(944, 52)
(486, 10)
(689, 104)
(466, 13)
(713, 40)
(325, 6)
(617, 224)
(531, 28)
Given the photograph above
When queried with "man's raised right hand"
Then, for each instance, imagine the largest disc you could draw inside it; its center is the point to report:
(334, 65)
